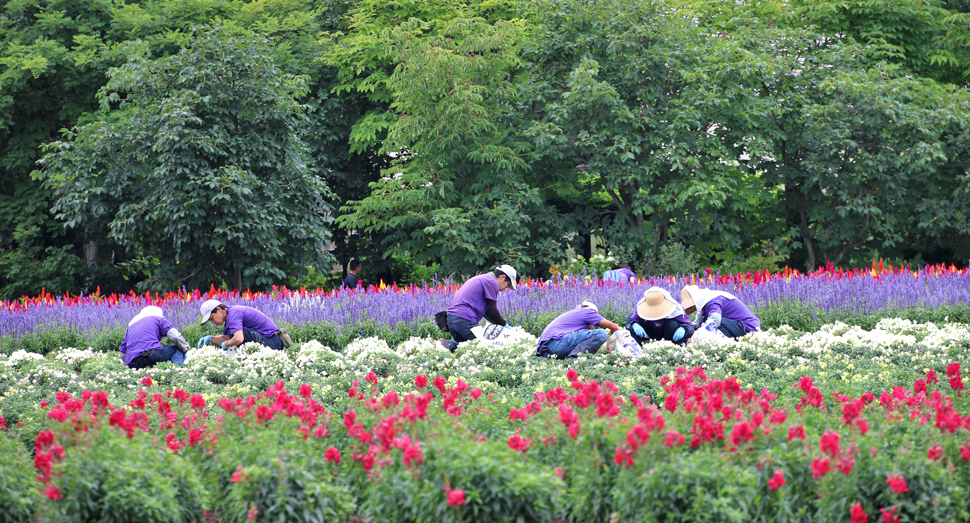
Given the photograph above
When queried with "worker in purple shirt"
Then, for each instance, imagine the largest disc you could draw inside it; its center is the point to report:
(477, 299)
(574, 332)
(658, 317)
(241, 324)
(621, 274)
(723, 309)
(142, 347)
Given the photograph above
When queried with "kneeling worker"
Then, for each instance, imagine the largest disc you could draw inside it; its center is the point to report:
(476, 299)
(723, 309)
(574, 332)
(658, 317)
(142, 347)
(241, 324)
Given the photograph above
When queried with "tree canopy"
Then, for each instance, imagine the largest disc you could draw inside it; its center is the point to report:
(238, 143)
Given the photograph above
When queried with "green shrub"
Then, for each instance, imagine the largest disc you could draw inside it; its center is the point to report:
(110, 478)
(499, 486)
(18, 483)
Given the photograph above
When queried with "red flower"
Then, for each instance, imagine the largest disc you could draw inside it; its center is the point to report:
(239, 475)
(198, 402)
(147, 381)
(777, 480)
(857, 514)
(517, 442)
(420, 381)
(777, 416)
(439, 383)
(931, 377)
(305, 390)
(965, 452)
(845, 465)
(371, 378)
(889, 515)
(53, 493)
(571, 375)
(830, 443)
(796, 431)
(935, 453)
(897, 483)
(332, 455)
(455, 497)
(820, 467)
(674, 439)
(476, 393)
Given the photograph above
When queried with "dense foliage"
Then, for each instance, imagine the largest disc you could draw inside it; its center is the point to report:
(462, 134)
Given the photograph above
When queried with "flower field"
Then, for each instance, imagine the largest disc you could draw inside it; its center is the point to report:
(849, 406)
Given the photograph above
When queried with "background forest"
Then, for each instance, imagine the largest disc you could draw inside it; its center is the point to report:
(155, 144)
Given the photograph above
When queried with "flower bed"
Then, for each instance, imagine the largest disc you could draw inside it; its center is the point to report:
(782, 425)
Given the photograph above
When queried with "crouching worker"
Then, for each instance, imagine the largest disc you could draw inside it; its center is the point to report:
(142, 346)
(658, 317)
(241, 324)
(476, 299)
(723, 309)
(574, 332)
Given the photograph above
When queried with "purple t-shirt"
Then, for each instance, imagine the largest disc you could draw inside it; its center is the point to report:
(627, 272)
(144, 335)
(469, 302)
(569, 322)
(240, 316)
(733, 310)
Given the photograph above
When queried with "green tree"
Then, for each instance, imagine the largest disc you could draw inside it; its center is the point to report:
(202, 169)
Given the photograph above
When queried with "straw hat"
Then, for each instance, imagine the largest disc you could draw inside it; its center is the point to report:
(686, 300)
(654, 306)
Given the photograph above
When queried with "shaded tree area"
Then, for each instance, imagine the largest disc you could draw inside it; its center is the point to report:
(466, 134)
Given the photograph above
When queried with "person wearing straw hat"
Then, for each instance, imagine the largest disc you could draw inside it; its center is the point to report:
(723, 309)
(142, 347)
(241, 324)
(477, 299)
(657, 316)
(574, 332)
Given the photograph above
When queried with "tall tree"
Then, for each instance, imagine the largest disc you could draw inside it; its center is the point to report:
(224, 191)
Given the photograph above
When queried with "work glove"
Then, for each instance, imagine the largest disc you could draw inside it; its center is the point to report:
(679, 334)
(224, 346)
(507, 327)
(203, 340)
(638, 330)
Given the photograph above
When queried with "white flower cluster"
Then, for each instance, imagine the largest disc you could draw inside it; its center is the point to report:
(75, 357)
(365, 348)
(21, 356)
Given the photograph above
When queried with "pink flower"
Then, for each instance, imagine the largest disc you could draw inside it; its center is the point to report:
(455, 497)
(845, 465)
(935, 453)
(857, 514)
(198, 402)
(830, 443)
(965, 452)
(305, 390)
(420, 381)
(796, 431)
(239, 475)
(517, 442)
(147, 381)
(897, 483)
(674, 439)
(571, 375)
(777, 416)
(777, 480)
(820, 467)
(332, 455)
(371, 378)
(889, 515)
(53, 493)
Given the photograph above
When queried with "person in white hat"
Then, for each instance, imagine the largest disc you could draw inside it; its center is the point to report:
(723, 309)
(477, 299)
(240, 324)
(142, 347)
(657, 316)
(574, 332)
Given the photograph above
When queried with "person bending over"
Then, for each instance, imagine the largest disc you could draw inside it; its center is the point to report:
(142, 347)
(240, 324)
(723, 309)
(475, 300)
(574, 332)
(658, 317)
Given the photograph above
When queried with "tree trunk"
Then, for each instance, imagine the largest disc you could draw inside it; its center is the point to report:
(238, 279)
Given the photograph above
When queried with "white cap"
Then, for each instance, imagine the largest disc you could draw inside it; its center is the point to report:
(206, 309)
(589, 305)
(509, 273)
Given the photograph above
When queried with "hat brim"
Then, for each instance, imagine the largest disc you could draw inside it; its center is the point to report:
(657, 312)
(205, 319)
(686, 300)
